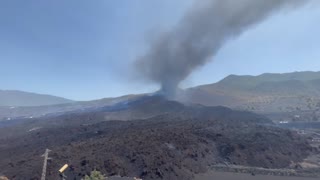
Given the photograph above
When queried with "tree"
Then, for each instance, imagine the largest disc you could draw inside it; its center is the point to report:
(95, 175)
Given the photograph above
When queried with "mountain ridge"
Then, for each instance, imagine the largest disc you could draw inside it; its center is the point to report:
(22, 98)
(293, 94)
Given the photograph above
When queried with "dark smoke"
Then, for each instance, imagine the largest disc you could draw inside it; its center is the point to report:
(204, 29)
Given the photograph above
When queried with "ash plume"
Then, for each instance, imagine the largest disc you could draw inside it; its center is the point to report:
(199, 35)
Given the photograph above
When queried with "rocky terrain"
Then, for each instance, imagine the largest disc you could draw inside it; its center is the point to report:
(162, 140)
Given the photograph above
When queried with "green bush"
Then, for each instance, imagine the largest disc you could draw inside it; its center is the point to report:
(95, 175)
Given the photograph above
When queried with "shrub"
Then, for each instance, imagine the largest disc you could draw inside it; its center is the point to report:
(95, 175)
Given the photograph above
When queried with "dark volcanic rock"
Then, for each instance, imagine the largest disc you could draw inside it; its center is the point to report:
(175, 143)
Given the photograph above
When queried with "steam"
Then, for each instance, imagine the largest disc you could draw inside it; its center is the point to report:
(199, 35)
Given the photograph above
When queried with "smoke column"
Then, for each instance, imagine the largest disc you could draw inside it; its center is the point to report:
(199, 35)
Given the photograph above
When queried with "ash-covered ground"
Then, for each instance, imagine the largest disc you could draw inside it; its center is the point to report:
(155, 139)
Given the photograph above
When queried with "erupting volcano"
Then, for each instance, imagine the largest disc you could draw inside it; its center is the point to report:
(200, 34)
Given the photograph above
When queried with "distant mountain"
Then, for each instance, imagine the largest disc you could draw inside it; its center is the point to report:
(282, 97)
(9, 112)
(267, 93)
(20, 98)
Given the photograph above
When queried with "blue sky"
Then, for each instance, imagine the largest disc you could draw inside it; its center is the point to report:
(83, 49)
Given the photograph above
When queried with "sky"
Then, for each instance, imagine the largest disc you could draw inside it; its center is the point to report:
(84, 49)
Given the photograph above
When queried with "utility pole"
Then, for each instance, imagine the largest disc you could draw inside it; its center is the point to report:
(44, 168)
